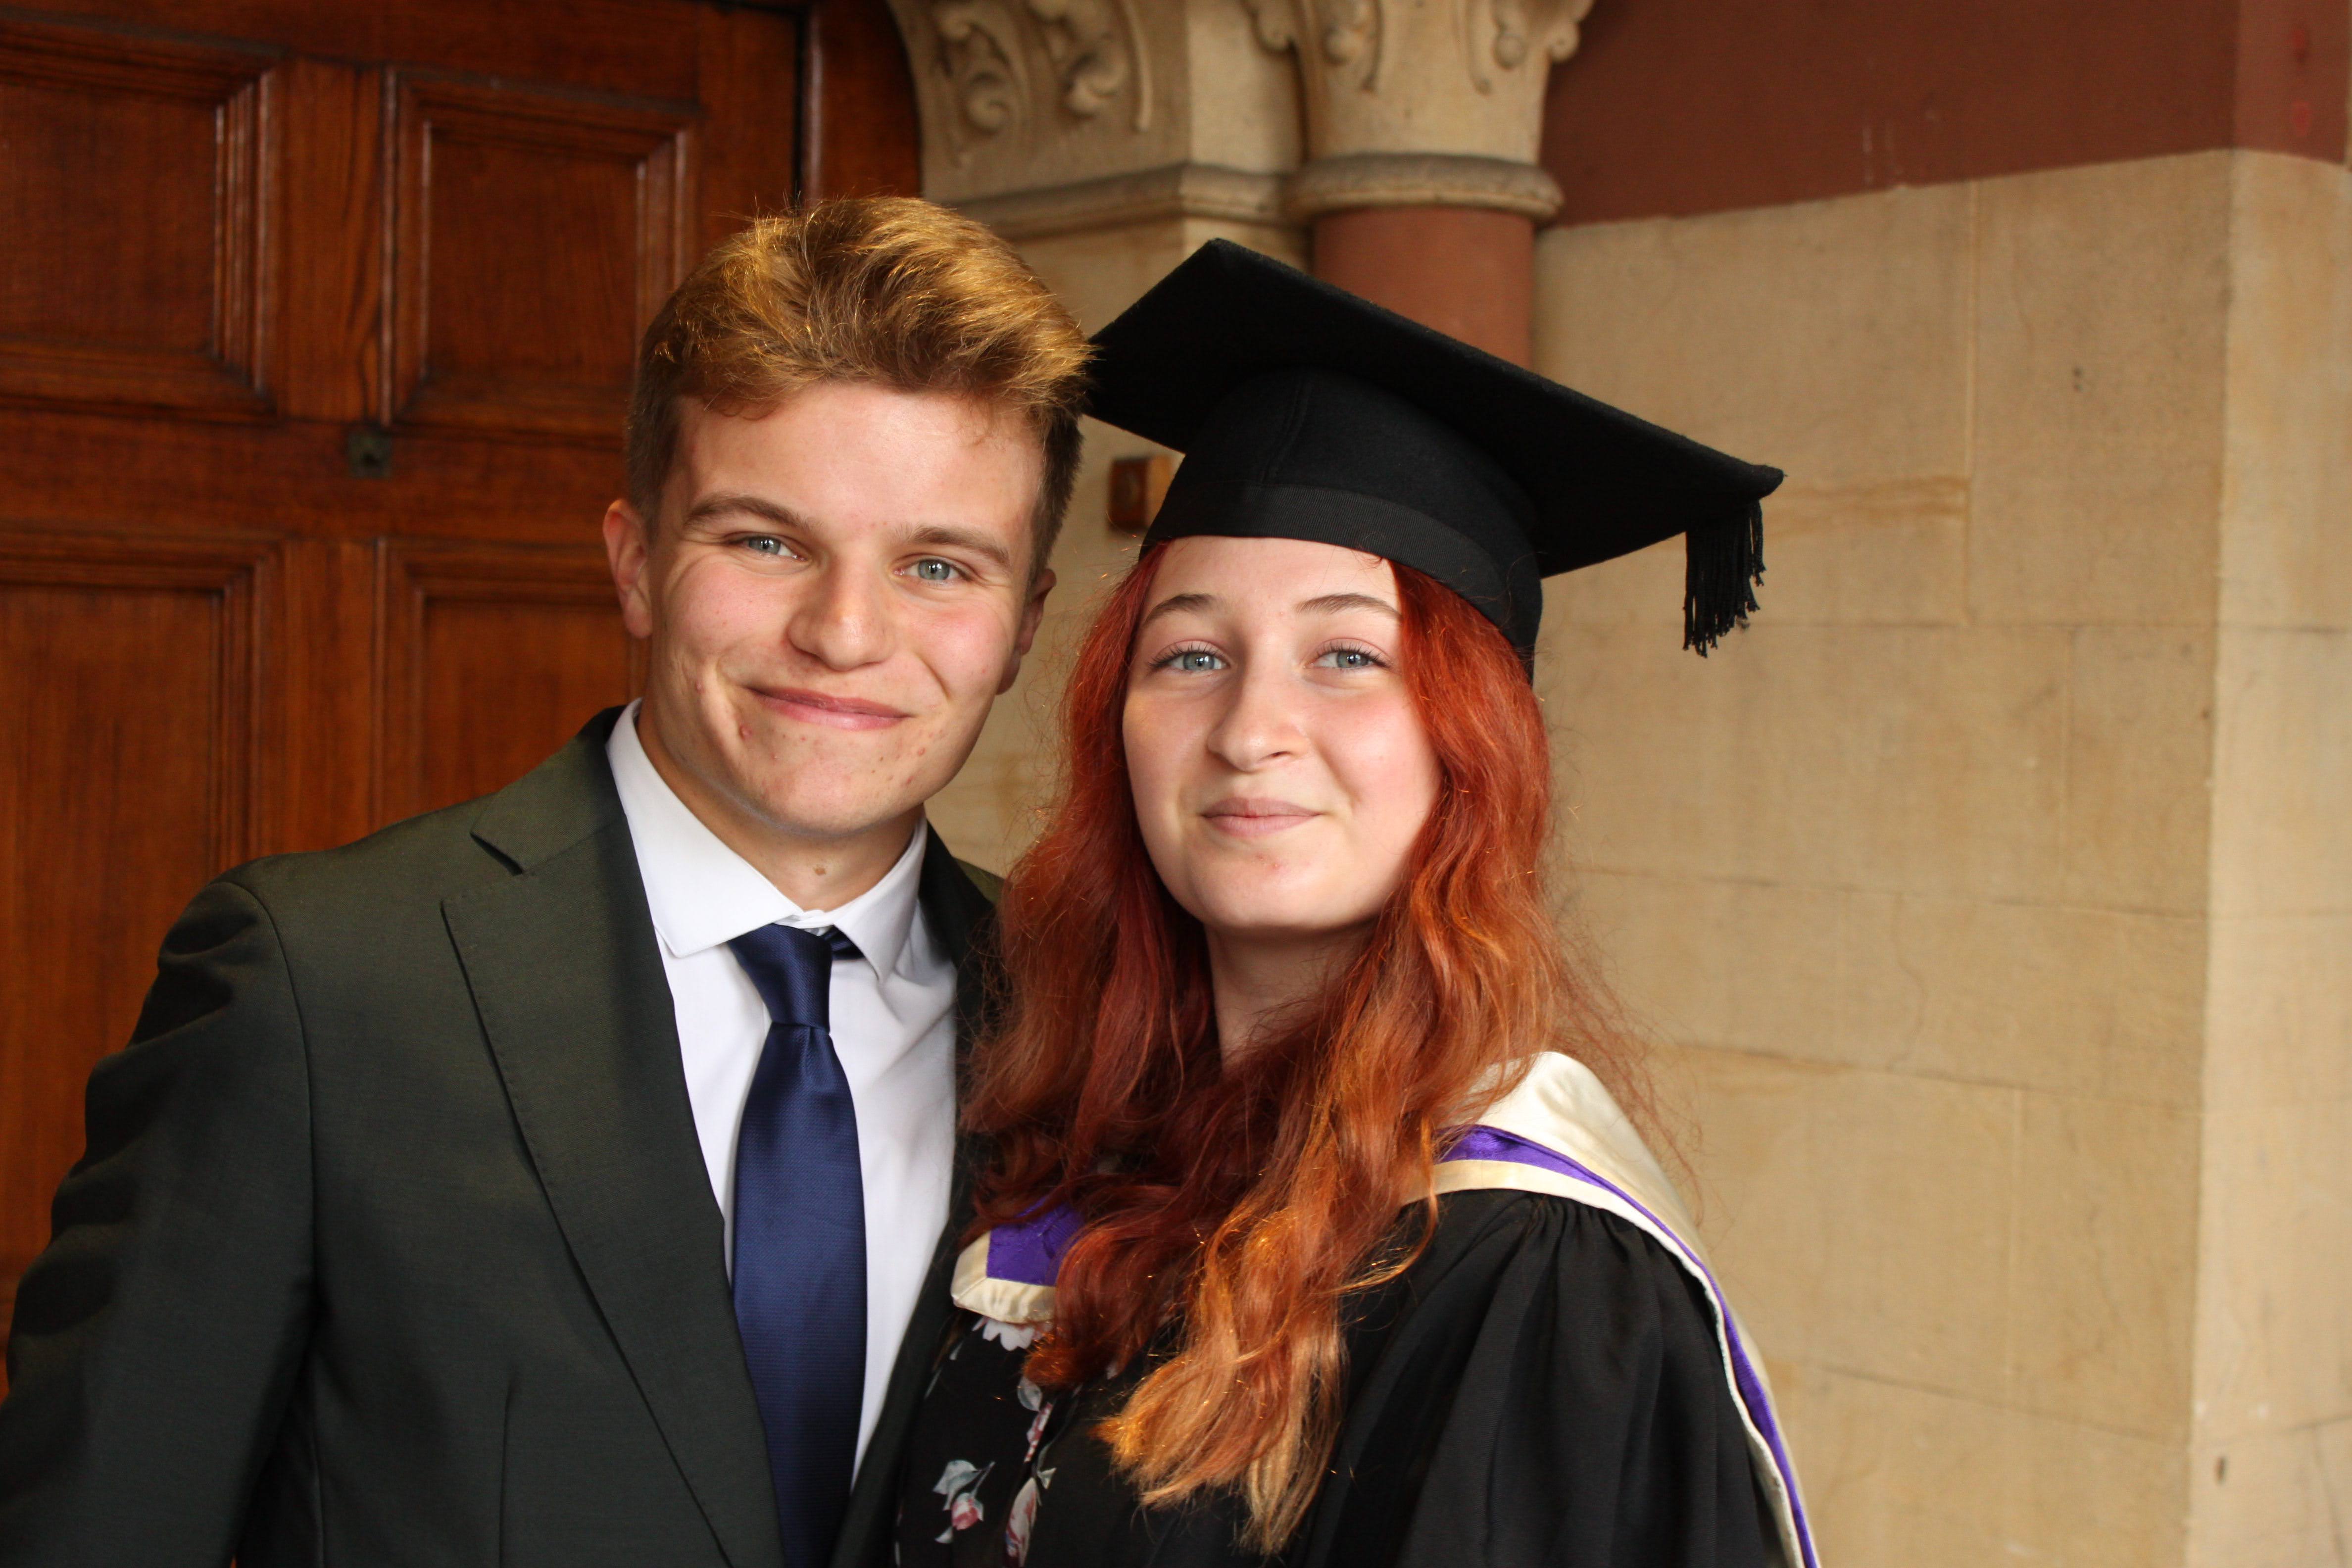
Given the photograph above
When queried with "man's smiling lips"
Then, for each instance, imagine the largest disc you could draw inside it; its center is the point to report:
(1251, 818)
(833, 712)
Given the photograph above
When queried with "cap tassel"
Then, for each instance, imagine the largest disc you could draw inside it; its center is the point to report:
(1722, 563)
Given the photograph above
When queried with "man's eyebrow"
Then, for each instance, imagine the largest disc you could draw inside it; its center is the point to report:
(1330, 603)
(1177, 604)
(947, 537)
(730, 503)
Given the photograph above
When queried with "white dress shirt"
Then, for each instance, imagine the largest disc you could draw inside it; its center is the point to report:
(893, 1026)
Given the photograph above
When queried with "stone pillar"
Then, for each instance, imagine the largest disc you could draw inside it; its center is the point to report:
(1422, 118)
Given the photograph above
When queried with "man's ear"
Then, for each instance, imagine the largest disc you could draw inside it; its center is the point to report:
(1033, 613)
(629, 547)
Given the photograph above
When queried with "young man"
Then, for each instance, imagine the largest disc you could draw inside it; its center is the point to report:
(552, 1179)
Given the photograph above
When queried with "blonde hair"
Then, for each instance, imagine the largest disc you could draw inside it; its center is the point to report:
(887, 289)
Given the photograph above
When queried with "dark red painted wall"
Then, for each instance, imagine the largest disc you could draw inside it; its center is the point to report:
(1683, 106)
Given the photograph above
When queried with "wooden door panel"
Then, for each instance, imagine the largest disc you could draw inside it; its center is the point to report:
(129, 698)
(133, 181)
(493, 657)
(444, 483)
(637, 46)
(242, 243)
(537, 234)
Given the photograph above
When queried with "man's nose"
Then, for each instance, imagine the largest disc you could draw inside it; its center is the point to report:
(845, 619)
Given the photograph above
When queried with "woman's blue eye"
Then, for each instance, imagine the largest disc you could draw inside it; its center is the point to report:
(935, 571)
(1195, 661)
(1350, 658)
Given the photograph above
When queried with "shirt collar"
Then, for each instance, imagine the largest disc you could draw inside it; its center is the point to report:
(702, 893)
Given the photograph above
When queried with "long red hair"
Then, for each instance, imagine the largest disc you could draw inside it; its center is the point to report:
(1244, 1205)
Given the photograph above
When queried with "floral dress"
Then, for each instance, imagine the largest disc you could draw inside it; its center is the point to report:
(988, 1452)
(987, 1491)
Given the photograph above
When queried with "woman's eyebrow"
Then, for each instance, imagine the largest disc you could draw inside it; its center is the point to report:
(1329, 602)
(1176, 604)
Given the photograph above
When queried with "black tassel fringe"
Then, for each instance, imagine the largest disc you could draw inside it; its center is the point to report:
(1722, 563)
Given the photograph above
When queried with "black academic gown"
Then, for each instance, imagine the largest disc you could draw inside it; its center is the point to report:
(1542, 1389)
(394, 1242)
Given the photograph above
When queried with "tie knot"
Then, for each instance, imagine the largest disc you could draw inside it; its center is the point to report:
(791, 969)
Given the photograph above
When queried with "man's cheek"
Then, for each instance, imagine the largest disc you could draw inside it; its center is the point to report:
(970, 651)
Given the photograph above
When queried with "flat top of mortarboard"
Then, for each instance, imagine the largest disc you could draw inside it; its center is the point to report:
(1599, 483)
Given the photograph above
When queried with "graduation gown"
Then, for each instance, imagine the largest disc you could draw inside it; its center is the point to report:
(1557, 1380)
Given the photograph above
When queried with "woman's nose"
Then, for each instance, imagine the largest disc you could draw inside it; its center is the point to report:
(1261, 722)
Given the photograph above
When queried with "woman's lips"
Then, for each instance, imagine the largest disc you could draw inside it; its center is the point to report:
(834, 712)
(1255, 818)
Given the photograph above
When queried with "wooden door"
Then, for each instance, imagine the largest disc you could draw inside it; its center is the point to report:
(315, 328)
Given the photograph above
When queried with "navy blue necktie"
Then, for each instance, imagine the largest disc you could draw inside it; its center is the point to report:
(800, 1239)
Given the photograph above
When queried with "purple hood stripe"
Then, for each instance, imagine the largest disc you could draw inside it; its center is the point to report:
(1029, 1251)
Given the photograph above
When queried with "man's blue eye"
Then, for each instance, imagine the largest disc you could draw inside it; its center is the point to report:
(763, 545)
(935, 571)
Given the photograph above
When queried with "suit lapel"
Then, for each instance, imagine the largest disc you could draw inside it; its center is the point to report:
(568, 982)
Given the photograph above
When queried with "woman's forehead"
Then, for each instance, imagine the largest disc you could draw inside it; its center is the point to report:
(1268, 573)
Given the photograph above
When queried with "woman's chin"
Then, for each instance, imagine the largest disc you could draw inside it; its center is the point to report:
(1290, 921)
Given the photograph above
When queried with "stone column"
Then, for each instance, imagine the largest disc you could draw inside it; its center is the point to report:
(1422, 118)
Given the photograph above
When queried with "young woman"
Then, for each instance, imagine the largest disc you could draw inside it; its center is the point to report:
(1312, 1227)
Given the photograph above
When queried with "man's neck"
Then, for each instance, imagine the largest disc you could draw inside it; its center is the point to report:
(815, 873)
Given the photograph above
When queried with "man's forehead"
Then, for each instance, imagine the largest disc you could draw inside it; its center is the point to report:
(719, 424)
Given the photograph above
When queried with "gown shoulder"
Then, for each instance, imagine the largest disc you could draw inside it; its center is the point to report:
(1543, 1386)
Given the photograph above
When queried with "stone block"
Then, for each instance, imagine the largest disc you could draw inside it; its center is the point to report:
(1896, 1475)
(2139, 750)
(1924, 759)
(2276, 1270)
(2081, 1496)
(1891, 551)
(2102, 1294)
(2070, 1001)
(2282, 752)
(2280, 1027)
(1749, 965)
(2289, 487)
(2101, 296)
(2279, 1500)
(1830, 338)
(1861, 1220)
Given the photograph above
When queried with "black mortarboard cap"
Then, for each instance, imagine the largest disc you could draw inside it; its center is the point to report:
(1305, 412)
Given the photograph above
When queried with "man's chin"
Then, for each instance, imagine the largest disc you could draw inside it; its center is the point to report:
(832, 817)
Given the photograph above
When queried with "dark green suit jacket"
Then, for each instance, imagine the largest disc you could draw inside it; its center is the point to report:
(394, 1242)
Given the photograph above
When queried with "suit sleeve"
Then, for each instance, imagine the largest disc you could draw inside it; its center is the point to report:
(155, 1340)
(1554, 1398)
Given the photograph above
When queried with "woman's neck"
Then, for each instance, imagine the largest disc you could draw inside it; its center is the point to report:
(1255, 980)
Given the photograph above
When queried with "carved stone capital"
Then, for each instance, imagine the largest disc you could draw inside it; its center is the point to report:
(1463, 78)
(1008, 88)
